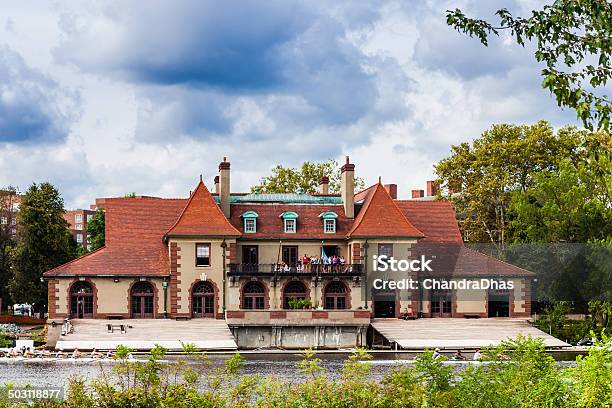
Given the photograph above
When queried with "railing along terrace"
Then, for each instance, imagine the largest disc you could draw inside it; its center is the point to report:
(295, 269)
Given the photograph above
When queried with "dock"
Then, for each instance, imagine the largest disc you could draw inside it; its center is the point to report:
(144, 334)
(453, 333)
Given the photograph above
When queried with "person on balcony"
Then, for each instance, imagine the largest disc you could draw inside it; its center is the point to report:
(306, 263)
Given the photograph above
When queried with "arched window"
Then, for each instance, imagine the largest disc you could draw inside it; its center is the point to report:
(335, 296)
(142, 296)
(295, 290)
(253, 296)
(81, 300)
(203, 300)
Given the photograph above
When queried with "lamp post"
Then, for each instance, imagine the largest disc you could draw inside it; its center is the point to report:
(165, 286)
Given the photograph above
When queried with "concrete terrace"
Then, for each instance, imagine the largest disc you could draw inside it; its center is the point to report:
(458, 333)
(142, 334)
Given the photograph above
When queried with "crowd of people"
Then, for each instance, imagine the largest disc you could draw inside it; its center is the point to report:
(334, 263)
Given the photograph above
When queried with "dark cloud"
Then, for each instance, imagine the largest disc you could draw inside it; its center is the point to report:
(253, 49)
(33, 108)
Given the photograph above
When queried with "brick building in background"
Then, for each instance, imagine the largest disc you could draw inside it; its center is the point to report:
(77, 221)
(9, 207)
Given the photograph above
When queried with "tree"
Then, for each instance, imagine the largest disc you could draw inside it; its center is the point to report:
(44, 243)
(95, 230)
(572, 204)
(8, 224)
(505, 159)
(304, 180)
(573, 38)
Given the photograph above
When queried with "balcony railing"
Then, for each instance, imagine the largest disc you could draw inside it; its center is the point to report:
(296, 269)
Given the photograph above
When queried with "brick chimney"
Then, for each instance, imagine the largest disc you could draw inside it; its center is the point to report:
(324, 185)
(217, 184)
(347, 188)
(224, 186)
(432, 188)
(418, 193)
(392, 190)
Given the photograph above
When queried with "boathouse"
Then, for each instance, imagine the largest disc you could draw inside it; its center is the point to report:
(258, 268)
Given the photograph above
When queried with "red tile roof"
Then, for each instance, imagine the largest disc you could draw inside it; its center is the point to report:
(381, 217)
(457, 260)
(436, 219)
(134, 244)
(202, 217)
(309, 225)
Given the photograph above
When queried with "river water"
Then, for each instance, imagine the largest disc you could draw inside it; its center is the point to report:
(283, 366)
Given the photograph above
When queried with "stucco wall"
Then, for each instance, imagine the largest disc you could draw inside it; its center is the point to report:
(110, 297)
(189, 273)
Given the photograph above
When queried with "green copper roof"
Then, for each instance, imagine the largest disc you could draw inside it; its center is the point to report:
(288, 198)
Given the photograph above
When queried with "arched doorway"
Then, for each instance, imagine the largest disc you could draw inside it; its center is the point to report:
(336, 296)
(203, 300)
(441, 303)
(498, 304)
(253, 295)
(81, 301)
(142, 297)
(294, 290)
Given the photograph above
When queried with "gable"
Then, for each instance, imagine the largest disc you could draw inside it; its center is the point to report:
(381, 217)
(202, 217)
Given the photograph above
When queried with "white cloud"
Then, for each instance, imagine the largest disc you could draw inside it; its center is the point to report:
(167, 90)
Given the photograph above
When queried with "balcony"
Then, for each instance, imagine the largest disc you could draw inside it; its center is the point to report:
(237, 270)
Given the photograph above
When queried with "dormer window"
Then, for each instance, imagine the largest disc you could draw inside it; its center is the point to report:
(289, 221)
(329, 222)
(250, 222)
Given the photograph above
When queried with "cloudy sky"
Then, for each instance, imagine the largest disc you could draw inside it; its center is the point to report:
(105, 98)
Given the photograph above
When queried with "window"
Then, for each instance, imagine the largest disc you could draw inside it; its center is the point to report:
(385, 249)
(289, 226)
(329, 221)
(3, 220)
(335, 296)
(79, 238)
(78, 218)
(289, 221)
(295, 290)
(253, 296)
(89, 217)
(78, 227)
(249, 225)
(202, 254)
(250, 222)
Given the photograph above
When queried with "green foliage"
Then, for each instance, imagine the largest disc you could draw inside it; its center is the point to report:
(592, 377)
(299, 303)
(5, 341)
(310, 364)
(95, 230)
(44, 243)
(515, 374)
(303, 180)
(572, 204)
(508, 176)
(573, 38)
